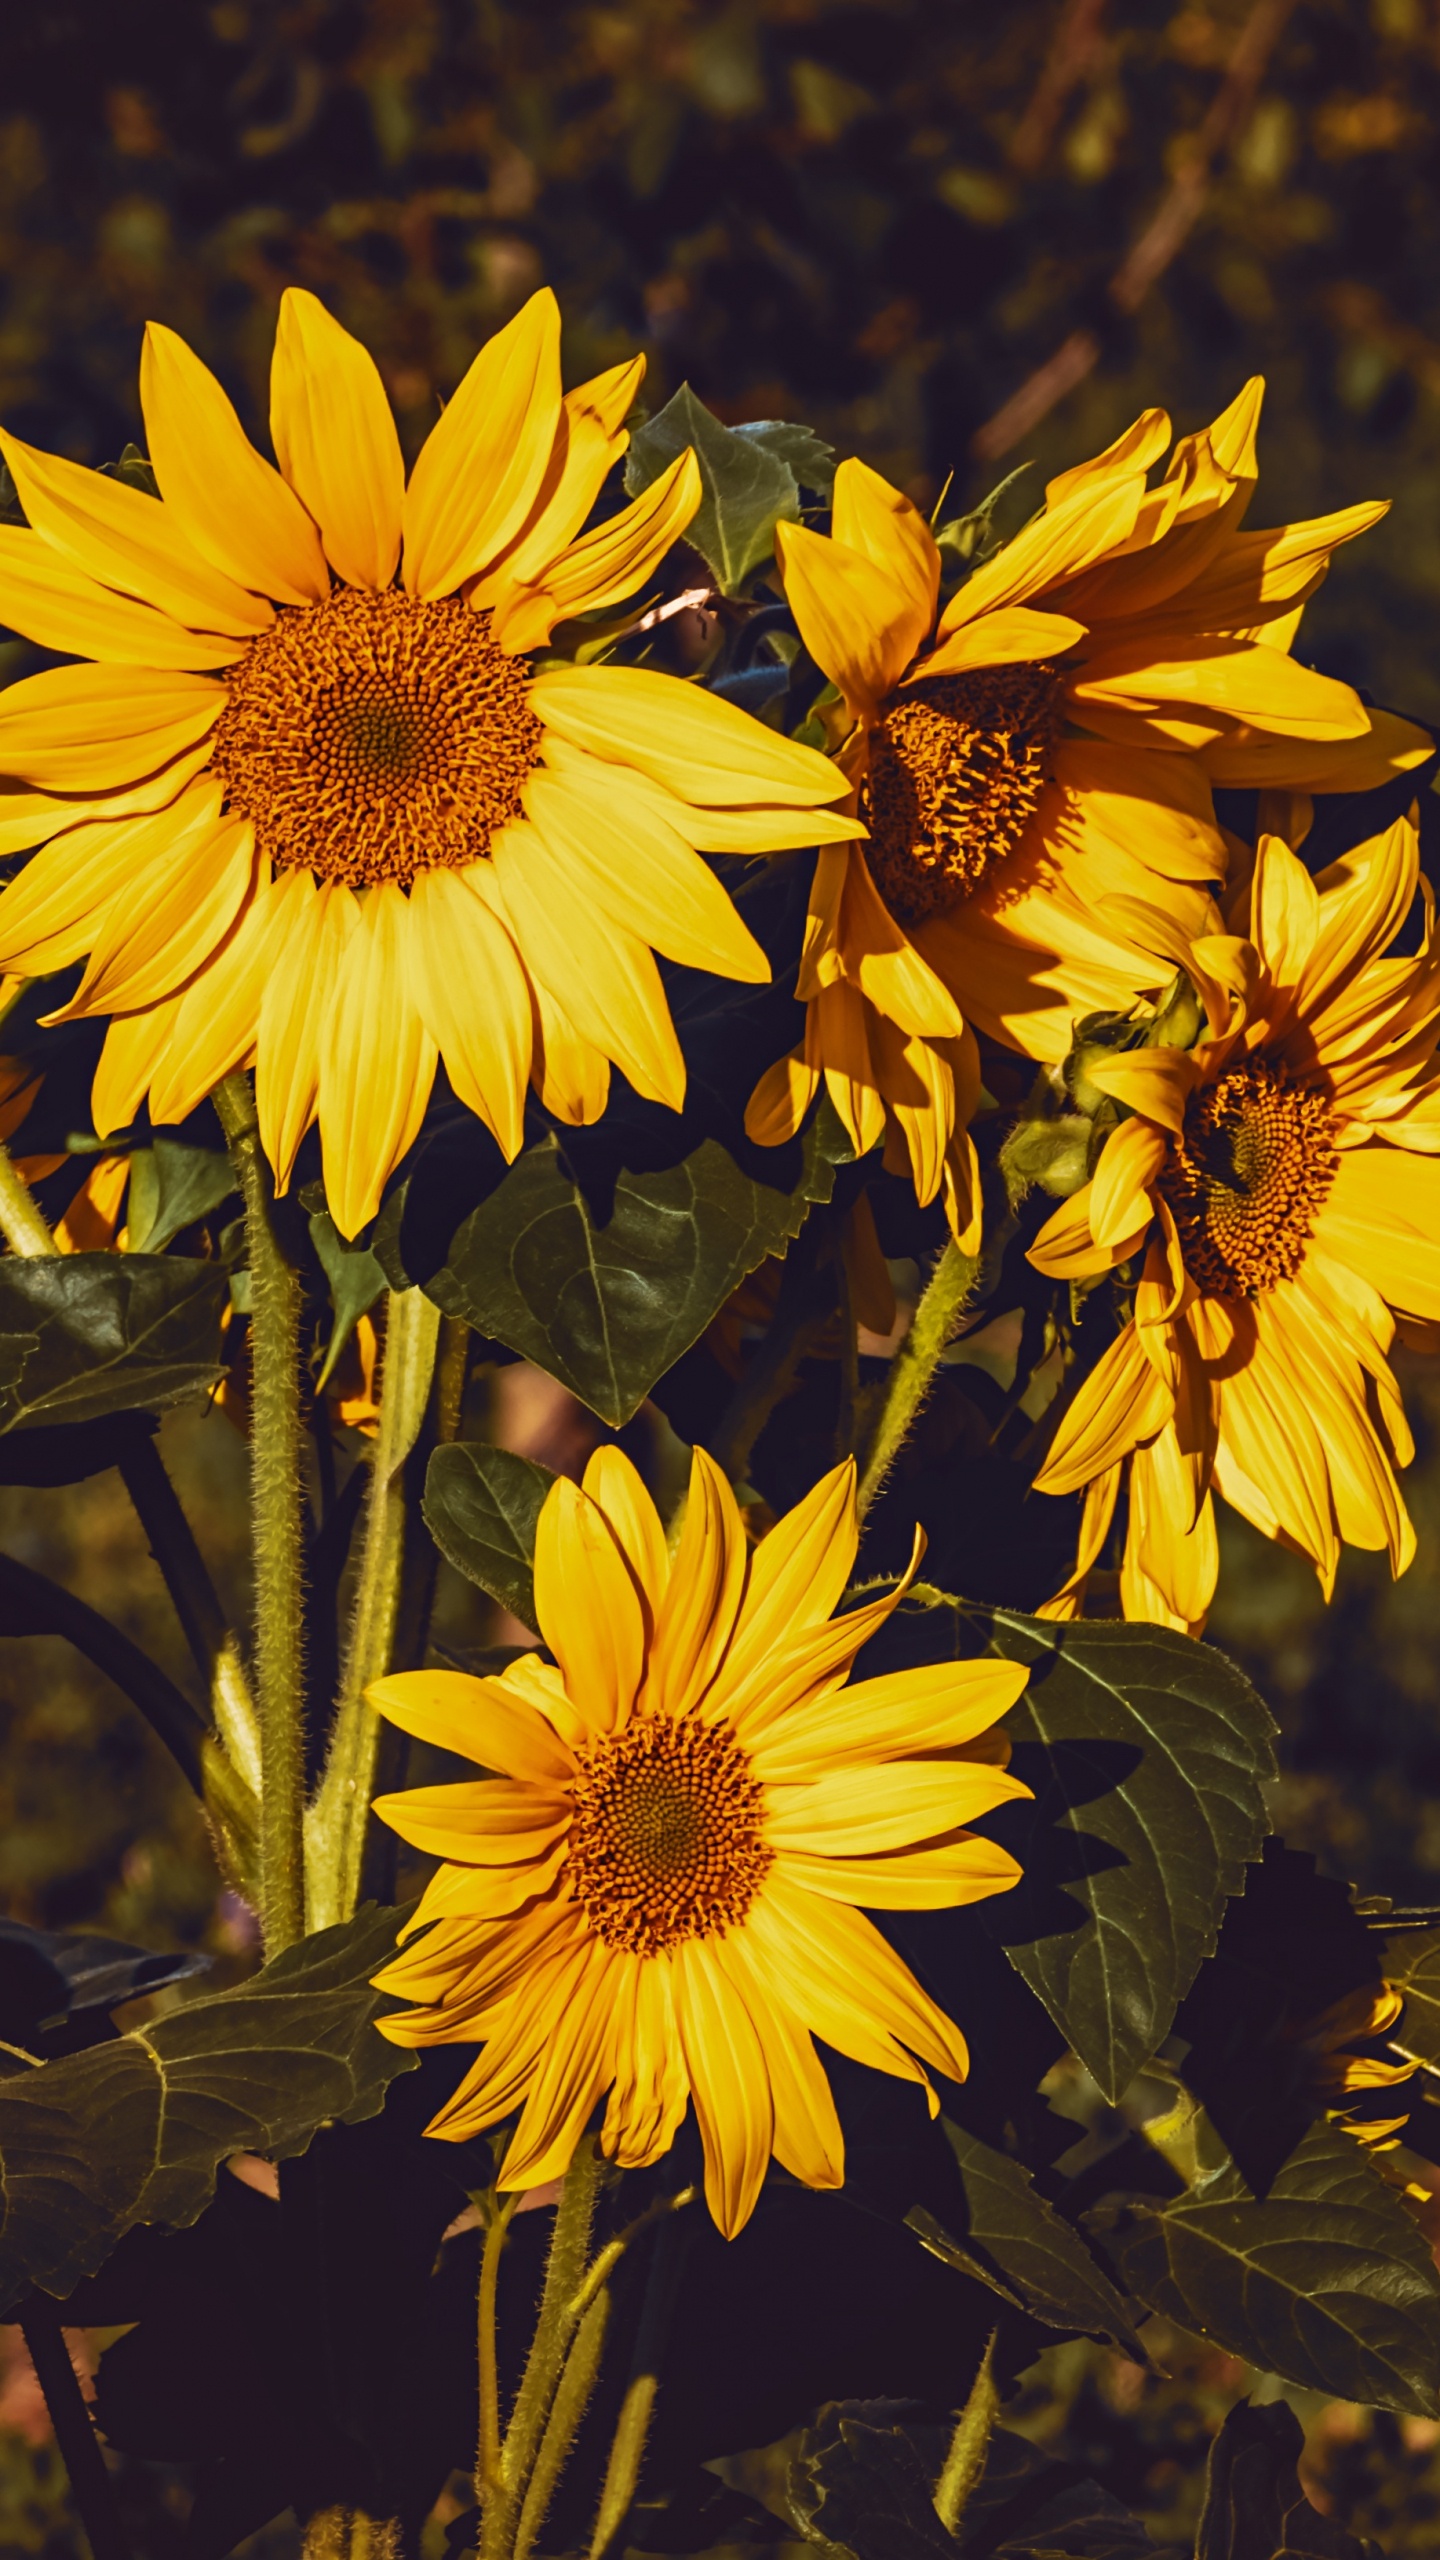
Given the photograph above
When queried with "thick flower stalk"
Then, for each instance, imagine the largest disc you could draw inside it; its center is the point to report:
(662, 1897)
(1038, 757)
(311, 807)
(1276, 1189)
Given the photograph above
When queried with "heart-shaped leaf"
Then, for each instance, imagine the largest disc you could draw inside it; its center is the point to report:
(1255, 2508)
(170, 1187)
(1325, 2281)
(607, 1307)
(83, 1334)
(481, 1506)
(133, 2131)
(1148, 1755)
(751, 476)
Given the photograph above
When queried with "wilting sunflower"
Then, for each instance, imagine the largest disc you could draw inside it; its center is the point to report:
(303, 814)
(1278, 1189)
(658, 1897)
(1043, 754)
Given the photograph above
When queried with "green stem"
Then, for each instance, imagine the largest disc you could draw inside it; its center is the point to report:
(335, 1829)
(554, 2328)
(965, 2460)
(632, 2428)
(572, 2399)
(90, 2481)
(21, 1222)
(487, 2458)
(915, 1364)
(276, 1458)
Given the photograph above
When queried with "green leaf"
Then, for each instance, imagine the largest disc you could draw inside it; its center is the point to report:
(867, 2489)
(608, 1308)
(861, 2483)
(83, 1334)
(1412, 1963)
(1045, 2264)
(1149, 1756)
(480, 1507)
(1325, 2280)
(1255, 2508)
(170, 1187)
(134, 2131)
(751, 477)
(356, 1280)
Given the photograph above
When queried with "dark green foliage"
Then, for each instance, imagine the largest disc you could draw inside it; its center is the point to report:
(171, 1186)
(133, 2131)
(356, 1280)
(752, 477)
(864, 2479)
(1325, 2281)
(1255, 2508)
(1044, 2264)
(1148, 1755)
(87, 1334)
(481, 1506)
(607, 1305)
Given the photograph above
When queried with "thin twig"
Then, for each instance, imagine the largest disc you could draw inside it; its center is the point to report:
(1161, 241)
(1073, 49)
(32, 1605)
(90, 2481)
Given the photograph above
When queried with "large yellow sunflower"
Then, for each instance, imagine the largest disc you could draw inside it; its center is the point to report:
(309, 806)
(1278, 1190)
(1041, 755)
(658, 1897)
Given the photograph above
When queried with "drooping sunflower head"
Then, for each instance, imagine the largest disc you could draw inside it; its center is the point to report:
(662, 1897)
(311, 807)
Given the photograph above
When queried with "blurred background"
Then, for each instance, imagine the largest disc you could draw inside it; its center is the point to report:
(955, 238)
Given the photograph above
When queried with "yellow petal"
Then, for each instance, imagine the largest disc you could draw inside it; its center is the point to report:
(706, 1582)
(725, 2061)
(652, 2089)
(1136, 450)
(590, 436)
(879, 955)
(881, 523)
(484, 1822)
(835, 1971)
(1389, 746)
(473, 996)
(28, 817)
(91, 728)
(1157, 1082)
(1130, 1161)
(798, 1573)
(233, 505)
(336, 440)
(851, 1813)
(754, 830)
(54, 603)
(614, 1482)
(640, 873)
(571, 1076)
(480, 1719)
(778, 1105)
(588, 1607)
(1121, 1402)
(941, 1877)
(484, 461)
(606, 565)
(219, 1016)
(604, 978)
(859, 618)
(134, 1048)
(314, 929)
(700, 746)
(184, 906)
(125, 539)
(807, 2137)
(94, 879)
(1012, 636)
(377, 1063)
(938, 1707)
(1259, 686)
(1094, 517)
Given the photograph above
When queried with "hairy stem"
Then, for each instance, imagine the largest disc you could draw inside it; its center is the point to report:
(969, 2444)
(90, 2482)
(21, 1222)
(915, 1364)
(276, 1497)
(487, 2457)
(572, 2399)
(335, 1830)
(554, 2328)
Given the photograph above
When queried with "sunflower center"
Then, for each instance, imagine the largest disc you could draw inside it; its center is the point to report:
(372, 737)
(1248, 1177)
(666, 1839)
(956, 769)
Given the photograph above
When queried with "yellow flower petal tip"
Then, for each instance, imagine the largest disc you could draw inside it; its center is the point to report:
(661, 1901)
(323, 816)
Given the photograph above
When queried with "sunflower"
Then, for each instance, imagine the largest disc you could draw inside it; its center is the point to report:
(1043, 753)
(1277, 1189)
(309, 805)
(658, 1897)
